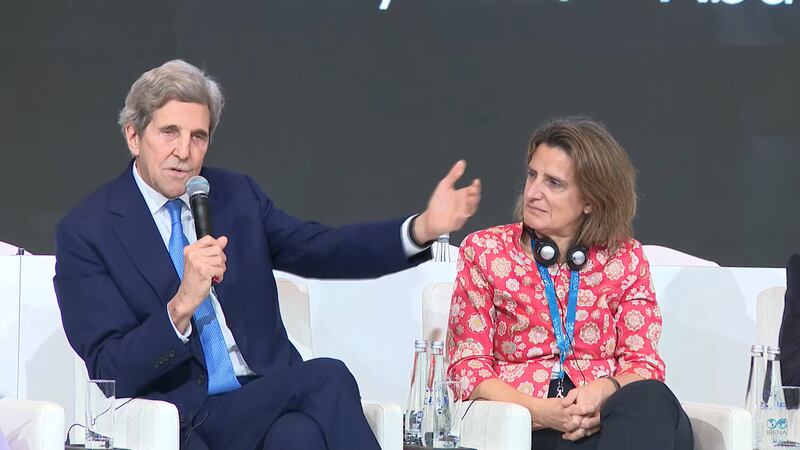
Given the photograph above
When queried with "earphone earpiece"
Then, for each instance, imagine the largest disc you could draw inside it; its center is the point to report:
(545, 252)
(578, 255)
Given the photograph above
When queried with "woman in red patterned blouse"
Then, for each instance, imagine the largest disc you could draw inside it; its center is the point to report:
(576, 209)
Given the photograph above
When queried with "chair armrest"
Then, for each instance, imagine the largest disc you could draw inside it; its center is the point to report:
(31, 425)
(490, 425)
(386, 421)
(720, 427)
(146, 425)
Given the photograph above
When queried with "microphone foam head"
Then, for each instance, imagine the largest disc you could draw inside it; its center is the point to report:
(197, 185)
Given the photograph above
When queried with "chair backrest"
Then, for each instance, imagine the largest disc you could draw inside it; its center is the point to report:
(295, 309)
(295, 305)
(7, 249)
(665, 256)
(436, 311)
(769, 314)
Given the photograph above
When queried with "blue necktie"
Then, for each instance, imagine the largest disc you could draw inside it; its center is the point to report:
(221, 377)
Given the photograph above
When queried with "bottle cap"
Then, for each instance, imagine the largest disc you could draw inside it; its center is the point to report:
(773, 350)
(757, 348)
(437, 345)
(421, 344)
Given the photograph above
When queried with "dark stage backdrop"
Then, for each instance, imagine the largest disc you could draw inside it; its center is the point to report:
(345, 112)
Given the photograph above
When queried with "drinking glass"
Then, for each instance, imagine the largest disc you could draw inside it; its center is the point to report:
(100, 398)
(448, 412)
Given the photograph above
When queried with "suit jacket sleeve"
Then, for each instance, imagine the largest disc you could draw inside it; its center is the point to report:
(114, 341)
(789, 339)
(310, 249)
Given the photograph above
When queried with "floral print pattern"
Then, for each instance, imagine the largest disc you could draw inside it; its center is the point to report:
(500, 324)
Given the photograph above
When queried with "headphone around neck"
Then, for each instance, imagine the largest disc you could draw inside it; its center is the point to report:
(546, 253)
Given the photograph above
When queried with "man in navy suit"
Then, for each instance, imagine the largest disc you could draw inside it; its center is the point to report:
(789, 338)
(196, 322)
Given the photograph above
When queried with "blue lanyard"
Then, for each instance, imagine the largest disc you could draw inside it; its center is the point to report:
(563, 334)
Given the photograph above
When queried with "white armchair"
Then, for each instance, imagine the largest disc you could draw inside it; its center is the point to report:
(138, 423)
(658, 255)
(153, 425)
(505, 426)
(719, 427)
(385, 418)
(488, 425)
(30, 425)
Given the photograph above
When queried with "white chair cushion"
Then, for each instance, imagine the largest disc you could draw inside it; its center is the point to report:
(30, 425)
(492, 425)
(720, 427)
(386, 421)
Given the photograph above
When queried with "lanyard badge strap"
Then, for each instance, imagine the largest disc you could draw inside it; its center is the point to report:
(563, 334)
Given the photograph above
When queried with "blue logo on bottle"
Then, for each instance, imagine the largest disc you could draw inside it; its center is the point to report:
(779, 424)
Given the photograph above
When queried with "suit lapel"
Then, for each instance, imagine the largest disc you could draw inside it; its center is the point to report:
(140, 237)
(138, 233)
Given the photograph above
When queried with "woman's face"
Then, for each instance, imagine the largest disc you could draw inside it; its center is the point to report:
(553, 204)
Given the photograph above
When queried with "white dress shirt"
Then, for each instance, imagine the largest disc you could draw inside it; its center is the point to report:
(156, 203)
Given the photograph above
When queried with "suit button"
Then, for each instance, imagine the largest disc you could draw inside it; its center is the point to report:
(157, 365)
(201, 379)
(172, 353)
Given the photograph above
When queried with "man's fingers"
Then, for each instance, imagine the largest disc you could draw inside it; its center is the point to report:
(209, 241)
(206, 255)
(204, 241)
(473, 190)
(471, 205)
(455, 172)
(207, 246)
(219, 274)
(475, 186)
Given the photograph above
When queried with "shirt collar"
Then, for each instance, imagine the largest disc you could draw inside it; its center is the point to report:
(154, 199)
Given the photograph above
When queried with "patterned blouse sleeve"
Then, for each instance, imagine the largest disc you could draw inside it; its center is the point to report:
(638, 319)
(471, 324)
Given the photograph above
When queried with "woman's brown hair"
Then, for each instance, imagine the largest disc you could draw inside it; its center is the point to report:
(603, 173)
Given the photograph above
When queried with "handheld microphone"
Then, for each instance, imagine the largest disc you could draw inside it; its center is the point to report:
(198, 188)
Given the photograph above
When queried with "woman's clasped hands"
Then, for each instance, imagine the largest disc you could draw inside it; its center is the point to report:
(577, 415)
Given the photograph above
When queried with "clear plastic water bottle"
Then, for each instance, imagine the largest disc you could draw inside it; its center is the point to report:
(436, 371)
(755, 388)
(417, 396)
(774, 415)
(442, 252)
(428, 420)
(442, 422)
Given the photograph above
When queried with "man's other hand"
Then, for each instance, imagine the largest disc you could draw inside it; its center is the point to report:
(448, 208)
